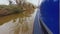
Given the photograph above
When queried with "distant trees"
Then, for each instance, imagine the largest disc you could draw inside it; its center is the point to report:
(18, 2)
(10, 2)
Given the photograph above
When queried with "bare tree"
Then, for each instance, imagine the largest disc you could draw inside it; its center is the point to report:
(10, 2)
(19, 2)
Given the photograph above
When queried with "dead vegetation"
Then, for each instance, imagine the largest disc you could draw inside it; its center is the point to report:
(11, 11)
(8, 12)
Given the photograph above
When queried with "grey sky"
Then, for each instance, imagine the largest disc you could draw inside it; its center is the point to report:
(4, 2)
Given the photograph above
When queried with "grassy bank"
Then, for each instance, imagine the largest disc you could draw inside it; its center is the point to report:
(9, 12)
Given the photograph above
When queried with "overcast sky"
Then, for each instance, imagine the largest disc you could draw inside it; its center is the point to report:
(5, 2)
